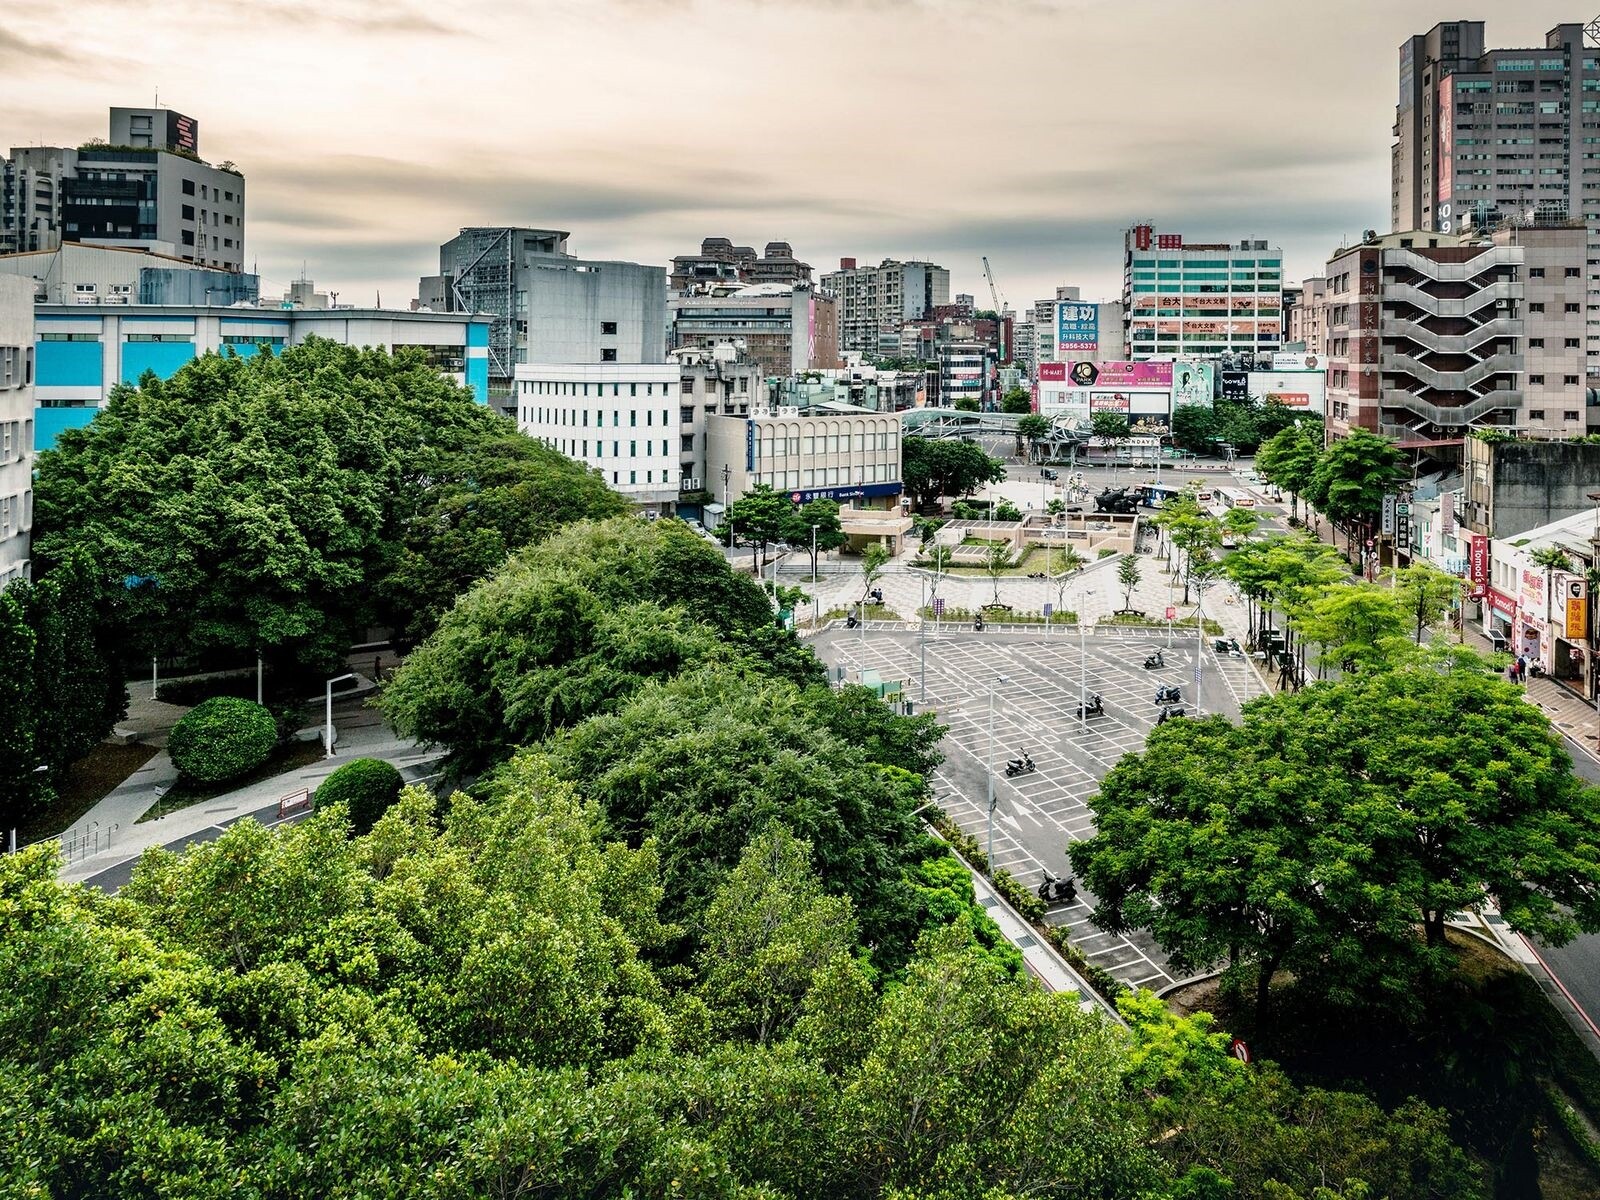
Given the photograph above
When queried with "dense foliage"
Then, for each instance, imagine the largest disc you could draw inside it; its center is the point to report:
(1242, 424)
(222, 738)
(935, 467)
(1335, 830)
(367, 787)
(60, 683)
(273, 504)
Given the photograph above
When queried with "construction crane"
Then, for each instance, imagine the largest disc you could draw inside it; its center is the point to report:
(999, 311)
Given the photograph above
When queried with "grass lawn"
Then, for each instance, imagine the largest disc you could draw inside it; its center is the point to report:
(1491, 1051)
(82, 785)
(289, 757)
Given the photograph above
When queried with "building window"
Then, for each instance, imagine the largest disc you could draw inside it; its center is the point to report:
(1569, 415)
(1536, 343)
(188, 190)
(1572, 272)
(608, 329)
(1535, 308)
(1536, 414)
(1573, 343)
(1535, 379)
(1535, 272)
(1570, 380)
(609, 354)
(686, 386)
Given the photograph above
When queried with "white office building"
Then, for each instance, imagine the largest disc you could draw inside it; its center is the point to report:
(16, 428)
(622, 419)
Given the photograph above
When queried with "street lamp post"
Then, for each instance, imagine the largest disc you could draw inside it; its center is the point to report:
(727, 474)
(327, 737)
(922, 639)
(989, 852)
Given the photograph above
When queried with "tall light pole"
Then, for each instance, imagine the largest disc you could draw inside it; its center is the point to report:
(813, 555)
(922, 639)
(327, 737)
(727, 474)
(990, 851)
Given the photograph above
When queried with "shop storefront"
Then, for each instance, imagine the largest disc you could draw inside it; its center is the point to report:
(1499, 618)
(1569, 665)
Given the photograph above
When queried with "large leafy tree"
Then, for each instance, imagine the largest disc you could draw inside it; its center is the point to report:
(1426, 593)
(936, 467)
(1336, 829)
(814, 527)
(762, 517)
(572, 626)
(1352, 477)
(1289, 459)
(500, 492)
(1359, 626)
(262, 502)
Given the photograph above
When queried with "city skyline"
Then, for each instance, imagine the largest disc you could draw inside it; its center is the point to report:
(370, 134)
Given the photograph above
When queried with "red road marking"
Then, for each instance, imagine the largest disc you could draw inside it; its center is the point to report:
(1578, 1008)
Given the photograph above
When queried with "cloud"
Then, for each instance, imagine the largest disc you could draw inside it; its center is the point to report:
(17, 51)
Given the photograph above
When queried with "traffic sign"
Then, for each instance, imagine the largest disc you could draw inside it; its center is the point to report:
(1171, 613)
(1239, 1050)
(1048, 608)
(938, 606)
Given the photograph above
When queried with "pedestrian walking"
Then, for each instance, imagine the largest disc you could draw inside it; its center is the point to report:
(377, 666)
(1511, 672)
(1522, 669)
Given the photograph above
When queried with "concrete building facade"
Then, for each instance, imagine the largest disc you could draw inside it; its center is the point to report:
(878, 300)
(16, 429)
(1306, 323)
(851, 457)
(31, 182)
(965, 369)
(786, 328)
(721, 263)
(721, 380)
(73, 273)
(621, 419)
(83, 351)
(1189, 300)
(1425, 338)
(545, 304)
(1485, 135)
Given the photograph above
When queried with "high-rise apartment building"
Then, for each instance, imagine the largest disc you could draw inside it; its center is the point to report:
(878, 300)
(146, 187)
(1305, 323)
(548, 306)
(1200, 300)
(1425, 338)
(720, 262)
(16, 428)
(1484, 136)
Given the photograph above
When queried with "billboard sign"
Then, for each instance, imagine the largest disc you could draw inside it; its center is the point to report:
(1193, 383)
(1532, 596)
(1296, 360)
(1152, 376)
(1478, 561)
(1077, 329)
(1445, 155)
(1052, 372)
(1389, 502)
(1447, 513)
(1236, 385)
(1109, 402)
(1576, 594)
(1305, 391)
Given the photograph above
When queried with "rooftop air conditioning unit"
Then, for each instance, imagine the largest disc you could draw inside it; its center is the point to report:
(690, 483)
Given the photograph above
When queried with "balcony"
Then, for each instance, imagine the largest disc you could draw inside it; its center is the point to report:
(1404, 293)
(1450, 381)
(1450, 343)
(1455, 272)
(1453, 415)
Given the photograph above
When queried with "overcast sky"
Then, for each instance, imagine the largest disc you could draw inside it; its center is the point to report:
(1032, 131)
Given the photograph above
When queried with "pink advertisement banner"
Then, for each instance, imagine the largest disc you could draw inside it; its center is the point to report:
(1121, 374)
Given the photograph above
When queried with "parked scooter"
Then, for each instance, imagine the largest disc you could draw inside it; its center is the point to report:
(1095, 708)
(1057, 891)
(977, 624)
(1168, 694)
(1154, 662)
(1021, 766)
(1170, 712)
(1228, 646)
(850, 621)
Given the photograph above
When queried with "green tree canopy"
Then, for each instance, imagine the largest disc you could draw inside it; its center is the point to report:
(264, 501)
(571, 626)
(935, 467)
(1289, 460)
(1017, 400)
(1353, 475)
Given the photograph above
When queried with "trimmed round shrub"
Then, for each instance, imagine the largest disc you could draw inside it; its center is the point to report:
(367, 787)
(222, 738)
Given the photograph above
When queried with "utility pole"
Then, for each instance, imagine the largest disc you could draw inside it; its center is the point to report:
(989, 852)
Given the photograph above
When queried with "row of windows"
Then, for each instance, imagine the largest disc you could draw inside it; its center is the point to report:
(546, 387)
(16, 440)
(579, 417)
(770, 445)
(828, 476)
(569, 447)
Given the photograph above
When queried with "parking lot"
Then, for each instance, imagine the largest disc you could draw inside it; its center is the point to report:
(1037, 815)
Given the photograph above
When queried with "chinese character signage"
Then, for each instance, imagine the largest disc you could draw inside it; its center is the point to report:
(1576, 593)
(1077, 329)
(1478, 561)
(1152, 376)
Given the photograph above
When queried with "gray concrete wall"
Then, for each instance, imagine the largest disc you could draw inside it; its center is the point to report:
(1534, 483)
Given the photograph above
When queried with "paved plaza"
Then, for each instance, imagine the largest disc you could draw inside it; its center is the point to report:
(1039, 814)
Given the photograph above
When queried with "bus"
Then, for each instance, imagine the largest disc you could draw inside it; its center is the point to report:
(1236, 498)
(1154, 495)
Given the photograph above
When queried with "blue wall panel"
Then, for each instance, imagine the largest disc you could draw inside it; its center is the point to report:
(67, 364)
(49, 422)
(478, 379)
(164, 358)
(477, 333)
